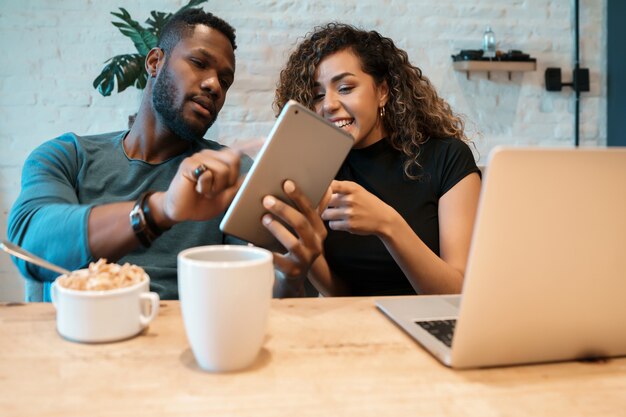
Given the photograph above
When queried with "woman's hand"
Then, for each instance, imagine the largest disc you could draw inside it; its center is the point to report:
(353, 209)
(306, 244)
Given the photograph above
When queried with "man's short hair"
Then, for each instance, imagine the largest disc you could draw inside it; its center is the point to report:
(183, 23)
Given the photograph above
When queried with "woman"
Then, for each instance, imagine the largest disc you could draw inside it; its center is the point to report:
(402, 209)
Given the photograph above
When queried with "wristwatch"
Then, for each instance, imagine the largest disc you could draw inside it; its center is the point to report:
(142, 223)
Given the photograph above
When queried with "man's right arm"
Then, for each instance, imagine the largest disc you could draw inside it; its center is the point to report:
(47, 218)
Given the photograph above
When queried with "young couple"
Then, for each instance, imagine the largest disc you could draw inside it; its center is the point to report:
(398, 218)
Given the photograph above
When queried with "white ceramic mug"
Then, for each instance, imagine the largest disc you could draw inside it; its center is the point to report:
(225, 293)
(104, 316)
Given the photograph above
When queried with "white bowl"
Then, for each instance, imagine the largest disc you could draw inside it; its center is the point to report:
(104, 316)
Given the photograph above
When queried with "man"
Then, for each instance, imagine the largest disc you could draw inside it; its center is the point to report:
(144, 195)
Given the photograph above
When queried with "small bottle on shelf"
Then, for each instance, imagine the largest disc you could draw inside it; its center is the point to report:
(489, 43)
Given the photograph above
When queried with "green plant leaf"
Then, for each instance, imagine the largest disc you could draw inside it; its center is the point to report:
(143, 38)
(192, 3)
(128, 70)
(123, 70)
(142, 79)
(157, 21)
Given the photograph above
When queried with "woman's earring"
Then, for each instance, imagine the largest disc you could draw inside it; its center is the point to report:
(382, 112)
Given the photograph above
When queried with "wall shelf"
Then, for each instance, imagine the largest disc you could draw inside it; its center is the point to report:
(490, 66)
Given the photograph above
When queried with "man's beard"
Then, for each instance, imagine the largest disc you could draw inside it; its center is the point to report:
(172, 117)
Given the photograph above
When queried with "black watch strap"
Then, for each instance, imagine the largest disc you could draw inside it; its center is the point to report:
(147, 213)
(143, 225)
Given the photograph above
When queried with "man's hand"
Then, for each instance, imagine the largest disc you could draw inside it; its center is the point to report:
(204, 186)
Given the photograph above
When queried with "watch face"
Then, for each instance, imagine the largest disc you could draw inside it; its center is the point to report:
(138, 223)
(137, 220)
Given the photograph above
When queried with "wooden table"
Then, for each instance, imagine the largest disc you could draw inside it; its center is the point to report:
(322, 357)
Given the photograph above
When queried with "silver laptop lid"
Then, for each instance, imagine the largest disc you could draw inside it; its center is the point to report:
(546, 277)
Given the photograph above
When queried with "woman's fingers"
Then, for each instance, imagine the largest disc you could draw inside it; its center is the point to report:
(292, 217)
(287, 265)
(334, 213)
(343, 187)
(280, 232)
(298, 257)
(296, 195)
(304, 244)
(305, 206)
(325, 200)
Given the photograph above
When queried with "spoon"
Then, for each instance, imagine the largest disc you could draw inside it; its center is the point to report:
(18, 252)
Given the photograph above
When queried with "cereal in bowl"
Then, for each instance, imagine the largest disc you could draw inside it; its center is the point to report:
(102, 276)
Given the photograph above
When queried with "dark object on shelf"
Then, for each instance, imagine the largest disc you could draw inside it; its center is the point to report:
(477, 55)
(514, 55)
(470, 54)
(554, 80)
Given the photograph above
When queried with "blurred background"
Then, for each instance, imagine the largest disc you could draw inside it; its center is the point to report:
(52, 50)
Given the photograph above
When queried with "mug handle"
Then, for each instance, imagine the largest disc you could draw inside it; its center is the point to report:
(153, 299)
(53, 295)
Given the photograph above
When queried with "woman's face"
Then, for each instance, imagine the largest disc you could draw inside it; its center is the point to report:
(349, 98)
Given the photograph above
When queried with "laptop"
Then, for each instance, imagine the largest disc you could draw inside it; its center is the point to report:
(546, 274)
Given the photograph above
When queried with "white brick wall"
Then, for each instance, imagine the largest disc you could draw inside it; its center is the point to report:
(52, 51)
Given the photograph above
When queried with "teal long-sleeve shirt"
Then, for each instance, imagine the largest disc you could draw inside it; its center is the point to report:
(63, 179)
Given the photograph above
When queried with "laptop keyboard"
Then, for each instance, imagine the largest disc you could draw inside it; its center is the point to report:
(441, 329)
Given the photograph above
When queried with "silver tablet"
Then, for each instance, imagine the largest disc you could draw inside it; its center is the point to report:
(302, 147)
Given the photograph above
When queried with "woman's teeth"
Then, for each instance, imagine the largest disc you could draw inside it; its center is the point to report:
(344, 123)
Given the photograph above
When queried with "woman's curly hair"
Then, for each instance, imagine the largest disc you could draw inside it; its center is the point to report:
(414, 113)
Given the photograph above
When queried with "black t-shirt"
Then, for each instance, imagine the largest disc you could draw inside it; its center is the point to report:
(363, 261)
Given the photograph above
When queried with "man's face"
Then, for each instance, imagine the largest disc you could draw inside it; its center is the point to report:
(191, 85)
